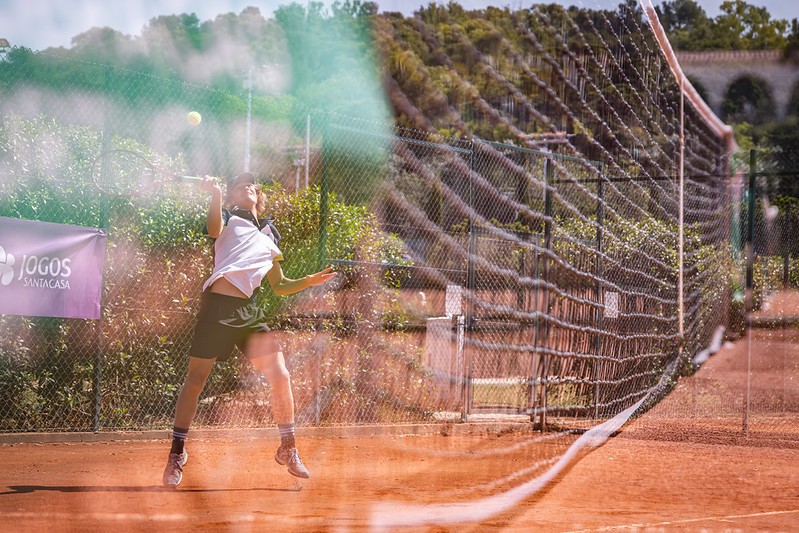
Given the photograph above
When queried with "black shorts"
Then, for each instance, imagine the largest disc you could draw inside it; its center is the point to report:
(224, 322)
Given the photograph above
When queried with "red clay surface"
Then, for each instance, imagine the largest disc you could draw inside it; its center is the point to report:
(686, 465)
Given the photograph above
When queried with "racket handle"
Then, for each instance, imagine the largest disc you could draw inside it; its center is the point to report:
(191, 179)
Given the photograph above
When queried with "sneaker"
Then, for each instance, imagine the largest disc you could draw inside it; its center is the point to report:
(173, 472)
(290, 458)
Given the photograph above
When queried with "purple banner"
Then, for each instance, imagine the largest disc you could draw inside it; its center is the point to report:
(50, 269)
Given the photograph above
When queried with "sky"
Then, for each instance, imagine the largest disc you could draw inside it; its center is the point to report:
(40, 24)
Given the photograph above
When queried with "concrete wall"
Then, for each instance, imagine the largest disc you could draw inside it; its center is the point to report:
(717, 70)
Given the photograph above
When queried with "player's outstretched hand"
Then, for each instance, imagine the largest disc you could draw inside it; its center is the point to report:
(321, 277)
(210, 184)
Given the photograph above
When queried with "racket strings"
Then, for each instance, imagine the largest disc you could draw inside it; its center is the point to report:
(124, 173)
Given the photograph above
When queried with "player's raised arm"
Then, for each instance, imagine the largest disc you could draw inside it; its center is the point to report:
(283, 286)
(214, 222)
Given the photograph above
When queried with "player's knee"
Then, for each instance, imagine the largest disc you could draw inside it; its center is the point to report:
(284, 375)
(262, 346)
(195, 380)
(277, 374)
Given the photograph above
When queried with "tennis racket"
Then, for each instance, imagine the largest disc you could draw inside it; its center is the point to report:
(125, 173)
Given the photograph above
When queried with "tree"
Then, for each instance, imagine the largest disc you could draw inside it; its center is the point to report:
(742, 26)
(748, 99)
(790, 51)
(681, 15)
(686, 24)
(793, 102)
(784, 137)
(103, 45)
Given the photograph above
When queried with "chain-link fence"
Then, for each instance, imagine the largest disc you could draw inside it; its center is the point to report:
(769, 291)
(474, 277)
(770, 216)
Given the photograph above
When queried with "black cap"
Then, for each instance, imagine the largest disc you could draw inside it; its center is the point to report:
(246, 177)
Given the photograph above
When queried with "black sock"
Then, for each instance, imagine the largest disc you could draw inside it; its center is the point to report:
(286, 435)
(179, 436)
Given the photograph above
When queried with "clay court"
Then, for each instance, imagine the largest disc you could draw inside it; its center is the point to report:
(686, 465)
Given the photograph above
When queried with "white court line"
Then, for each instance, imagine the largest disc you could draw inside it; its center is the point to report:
(685, 521)
(95, 516)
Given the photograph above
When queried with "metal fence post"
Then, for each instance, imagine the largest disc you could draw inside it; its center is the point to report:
(323, 192)
(750, 266)
(97, 378)
(600, 220)
(541, 338)
(471, 287)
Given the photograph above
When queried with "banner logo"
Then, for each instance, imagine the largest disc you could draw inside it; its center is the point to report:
(6, 267)
(46, 271)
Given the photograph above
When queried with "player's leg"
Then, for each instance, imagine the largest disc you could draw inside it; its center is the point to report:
(267, 356)
(196, 376)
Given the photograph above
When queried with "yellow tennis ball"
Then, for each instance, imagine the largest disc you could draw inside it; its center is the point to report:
(194, 118)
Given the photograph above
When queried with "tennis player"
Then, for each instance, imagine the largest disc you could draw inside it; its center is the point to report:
(245, 251)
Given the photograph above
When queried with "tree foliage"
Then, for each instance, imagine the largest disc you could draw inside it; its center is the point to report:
(739, 26)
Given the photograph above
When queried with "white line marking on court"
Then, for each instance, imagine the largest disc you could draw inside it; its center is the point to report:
(685, 521)
(95, 516)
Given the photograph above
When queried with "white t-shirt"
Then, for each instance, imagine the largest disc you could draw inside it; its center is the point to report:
(243, 254)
